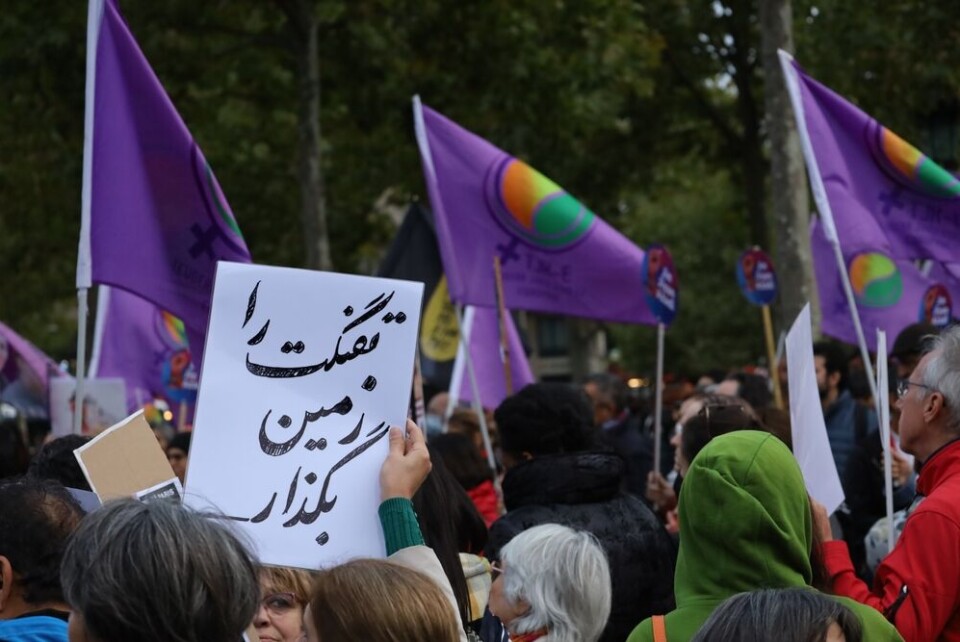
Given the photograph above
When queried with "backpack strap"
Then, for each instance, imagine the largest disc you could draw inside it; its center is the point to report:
(659, 628)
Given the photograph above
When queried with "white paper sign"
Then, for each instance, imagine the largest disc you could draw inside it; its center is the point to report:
(811, 447)
(303, 374)
(105, 404)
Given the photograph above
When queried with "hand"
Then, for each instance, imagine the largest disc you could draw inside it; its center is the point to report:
(900, 467)
(659, 491)
(407, 464)
(821, 521)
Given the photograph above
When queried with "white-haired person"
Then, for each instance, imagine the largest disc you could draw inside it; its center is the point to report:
(552, 585)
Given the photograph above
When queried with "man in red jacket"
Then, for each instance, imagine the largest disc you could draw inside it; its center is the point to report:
(917, 586)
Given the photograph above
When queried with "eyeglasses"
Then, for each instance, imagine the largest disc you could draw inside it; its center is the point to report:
(904, 385)
(495, 571)
(279, 603)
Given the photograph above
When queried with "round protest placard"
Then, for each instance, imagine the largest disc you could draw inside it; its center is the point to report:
(936, 306)
(661, 288)
(756, 277)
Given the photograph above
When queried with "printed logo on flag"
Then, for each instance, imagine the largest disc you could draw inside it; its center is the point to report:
(908, 166)
(533, 208)
(876, 280)
(178, 374)
(936, 306)
(660, 283)
(223, 226)
(756, 277)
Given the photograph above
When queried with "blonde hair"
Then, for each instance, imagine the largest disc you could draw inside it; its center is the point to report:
(280, 579)
(377, 601)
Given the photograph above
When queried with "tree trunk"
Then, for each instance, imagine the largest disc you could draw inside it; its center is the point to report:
(789, 185)
(313, 207)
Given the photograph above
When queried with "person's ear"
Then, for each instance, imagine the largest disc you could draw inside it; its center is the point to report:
(6, 582)
(933, 405)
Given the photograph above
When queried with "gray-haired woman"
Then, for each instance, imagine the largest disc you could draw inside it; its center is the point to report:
(552, 585)
(157, 572)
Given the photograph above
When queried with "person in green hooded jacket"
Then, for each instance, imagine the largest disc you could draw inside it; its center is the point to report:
(745, 524)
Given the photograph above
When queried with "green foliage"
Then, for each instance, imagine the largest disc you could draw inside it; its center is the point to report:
(692, 209)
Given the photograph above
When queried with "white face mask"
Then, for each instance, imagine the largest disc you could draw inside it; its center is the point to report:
(432, 425)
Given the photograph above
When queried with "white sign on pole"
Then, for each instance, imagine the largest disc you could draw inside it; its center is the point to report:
(303, 374)
(811, 447)
(104, 404)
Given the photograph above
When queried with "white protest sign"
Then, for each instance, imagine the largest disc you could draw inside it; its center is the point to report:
(303, 374)
(105, 404)
(811, 447)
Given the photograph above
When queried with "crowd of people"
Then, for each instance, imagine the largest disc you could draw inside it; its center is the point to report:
(575, 537)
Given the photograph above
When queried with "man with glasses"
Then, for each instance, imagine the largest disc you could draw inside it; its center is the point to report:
(917, 586)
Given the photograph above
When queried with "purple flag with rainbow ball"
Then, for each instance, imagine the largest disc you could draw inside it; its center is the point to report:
(556, 255)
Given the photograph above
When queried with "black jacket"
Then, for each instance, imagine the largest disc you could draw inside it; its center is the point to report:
(582, 491)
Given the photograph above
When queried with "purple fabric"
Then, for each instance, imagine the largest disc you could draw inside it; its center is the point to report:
(16, 354)
(911, 306)
(158, 220)
(556, 256)
(487, 362)
(148, 349)
(884, 194)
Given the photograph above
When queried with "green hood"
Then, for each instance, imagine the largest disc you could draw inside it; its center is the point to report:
(745, 524)
(744, 520)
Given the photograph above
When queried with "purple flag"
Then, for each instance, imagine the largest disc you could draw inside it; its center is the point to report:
(24, 373)
(890, 294)
(155, 221)
(147, 348)
(875, 191)
(557, 256)
(482, 327)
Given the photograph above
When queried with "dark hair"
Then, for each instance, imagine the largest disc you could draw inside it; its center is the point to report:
(159, 572)
(612, 387)
(788, 615)
(835, 359)
(753, 389)
(36, 518)
(713, 420)
(56, 461)
(14, 453)
(546, 419)
(912, 342)
(181, 441)
(461, 459)
(450, 524)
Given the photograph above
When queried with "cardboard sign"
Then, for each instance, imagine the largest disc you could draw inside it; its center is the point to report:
(304, 372)
(756, 277)
(126, 461)
(811, 447)
(105, 404)
(662, 289)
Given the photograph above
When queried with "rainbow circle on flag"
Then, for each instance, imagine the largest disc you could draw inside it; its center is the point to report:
(756, 277)
(936, 306)
(876, 280)
(177, 370)
(661, 287)
(909, 166)
(533, 208)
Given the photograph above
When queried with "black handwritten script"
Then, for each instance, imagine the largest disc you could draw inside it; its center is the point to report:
(306, 497)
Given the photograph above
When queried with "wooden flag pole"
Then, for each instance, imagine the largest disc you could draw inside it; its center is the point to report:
(182, 419)
(501, 317)
(658, 401)
(772, 357)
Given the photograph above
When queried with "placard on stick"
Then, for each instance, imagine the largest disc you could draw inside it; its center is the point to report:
(304, 372)
(126, 461)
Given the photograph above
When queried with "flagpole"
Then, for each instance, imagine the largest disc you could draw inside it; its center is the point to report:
(826, 214)
(478, 405)
(884, 417)
(84, 269)
(772, 357)
(658, 401)
(464, 327)
(502, 322)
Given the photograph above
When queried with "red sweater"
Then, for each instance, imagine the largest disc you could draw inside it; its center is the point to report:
(484, 497)
(926, 560)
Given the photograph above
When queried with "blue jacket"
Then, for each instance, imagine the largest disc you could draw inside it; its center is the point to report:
(33, 628)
